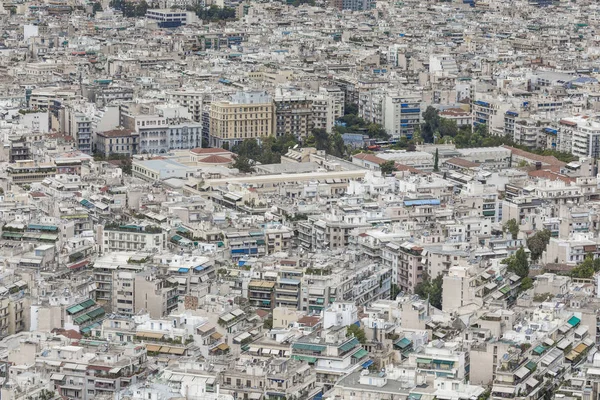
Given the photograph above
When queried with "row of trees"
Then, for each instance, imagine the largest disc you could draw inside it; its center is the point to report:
(442, 130)
(214, 13)
(131, 9)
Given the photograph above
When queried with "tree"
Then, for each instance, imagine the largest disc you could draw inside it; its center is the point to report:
(584, 270)
(537, 244)
(321, 139)
(225, 146)
(436, 161)
(431, 124)
(394, 291)
(97, 7)
(357, 332)
(337, 147)
(431, 289)
(243, 164)
(512, 227)
(518, 263)
(268, 323)
(526, 284)
(387, 167)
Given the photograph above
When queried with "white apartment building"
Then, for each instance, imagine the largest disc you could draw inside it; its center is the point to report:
(192, 99)
(402, 114)
(131, 237)
(585, 140)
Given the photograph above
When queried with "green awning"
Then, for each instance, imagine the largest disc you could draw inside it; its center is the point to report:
(360, 354)
(423, 361)
(573, 321)
(351, 344)
(260, 242)
(539, 349)
(505, 289)
(320, 301)
(443, 362)
(74, 309)
(96, 313)
(310, 360)
(245, 347)
(81, 319)
(220, 244)
(309, 347)
(402, 343)
(531, 365)
(176, 238)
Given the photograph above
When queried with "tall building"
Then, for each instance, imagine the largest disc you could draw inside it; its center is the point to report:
(293, 114)
(402, 114)
(247, 115)
(353, 5)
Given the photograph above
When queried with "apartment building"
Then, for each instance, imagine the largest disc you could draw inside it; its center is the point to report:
(248, 115)
(192, 99)
(402, 114)
(293, 114)
(122, 142)
(155, 295)
(130, 237)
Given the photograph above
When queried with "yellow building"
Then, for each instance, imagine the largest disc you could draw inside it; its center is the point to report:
(248, 115)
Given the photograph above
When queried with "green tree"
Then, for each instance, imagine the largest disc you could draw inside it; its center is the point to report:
(394, 291)
(526, 284)
(243, 164)
(225, 146)
(518, 263)
(387, 167)
(431, 124)
(584, 270)
(537, 244)
(320, 138)
(97, 7)
(512, 227)
(268, 323)
(337, 146)
(431, 289)
(357, 332)
(436, 161)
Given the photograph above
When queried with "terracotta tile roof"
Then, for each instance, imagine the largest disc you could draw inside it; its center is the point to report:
(461, 162)
(550, 175)
(210, 150)
(117, 133)
(406, 168)
(549, 160)
(37, 194)
(262, 313)
(215, 159)
(370, 158)
(309, 320)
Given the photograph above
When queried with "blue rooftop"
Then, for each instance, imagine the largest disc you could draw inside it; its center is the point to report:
(423, 202)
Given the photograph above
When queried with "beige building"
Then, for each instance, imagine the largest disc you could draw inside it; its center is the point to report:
(156, 296)
(248, 115)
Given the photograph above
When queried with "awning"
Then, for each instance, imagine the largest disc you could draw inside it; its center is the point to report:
(423, 361)
(57, 377)
(150, 335)
(115, 370)
(522, 372)
(573, 321)
(223, 346)
(503, 389)
(532, 382)
(152, 347)
(216, 335)
(403, 343)
(308, 359)
(580, 348)
(177, 350)
(360, 354)
(563, 344)
(367, 364)
(254, 396)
